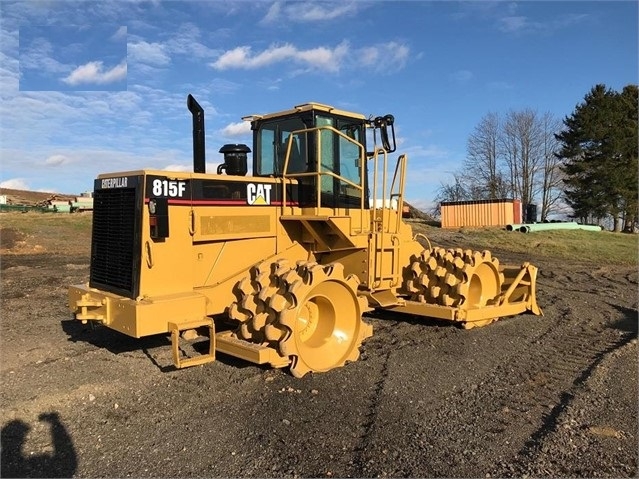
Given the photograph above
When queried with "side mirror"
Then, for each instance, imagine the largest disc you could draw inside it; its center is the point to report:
(383, 123)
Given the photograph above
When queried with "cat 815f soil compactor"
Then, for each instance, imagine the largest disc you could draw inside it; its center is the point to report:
(278, 267)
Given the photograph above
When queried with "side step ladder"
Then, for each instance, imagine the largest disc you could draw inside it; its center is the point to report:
(181, 362)
(223, 342)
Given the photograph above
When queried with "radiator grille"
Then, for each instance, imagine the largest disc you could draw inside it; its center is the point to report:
(113, 242)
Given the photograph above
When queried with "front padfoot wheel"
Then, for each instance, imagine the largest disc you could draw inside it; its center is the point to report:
(310, 312)
(459, 278)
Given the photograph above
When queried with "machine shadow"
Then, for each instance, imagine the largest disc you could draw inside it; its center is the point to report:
(118, 343)
(114, 341)
(399, 317)
(109, 339)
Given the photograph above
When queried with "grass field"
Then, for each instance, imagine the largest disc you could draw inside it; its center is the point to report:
(71, 233)
(55, 233)
(572, 245)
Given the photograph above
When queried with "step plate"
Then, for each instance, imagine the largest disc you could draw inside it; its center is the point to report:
(255, 353)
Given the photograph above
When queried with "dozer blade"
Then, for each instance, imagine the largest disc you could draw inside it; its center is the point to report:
(520, 285)
(518, 296)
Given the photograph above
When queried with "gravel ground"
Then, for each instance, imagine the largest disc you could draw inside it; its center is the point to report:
(526, 396)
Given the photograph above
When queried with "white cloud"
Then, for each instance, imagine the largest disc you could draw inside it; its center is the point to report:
(221, 85)
(93, 72)
(186, 41)
(120, 34)
(242, 57)
(569, 20)
(521, 24)
(315, 12)
(369, 55)
(389, 56)
(513, 24)
(273, 84)
(38, 56)
(431, 152)
(26, 166)
(57, 160)
(9, 63)
(237, 129)
(500, 85)
(149, 53)
(301, 12)
(384, 57)
(15, 184)
(462, 76)
(178, 167)
(507, 18)
(273, 13)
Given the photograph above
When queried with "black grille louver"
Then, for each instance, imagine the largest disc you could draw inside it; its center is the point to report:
(114, 257)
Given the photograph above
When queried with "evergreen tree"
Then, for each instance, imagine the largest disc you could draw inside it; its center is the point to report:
(629, 106)
(599, 149)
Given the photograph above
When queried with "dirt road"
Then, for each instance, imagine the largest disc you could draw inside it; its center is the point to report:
(543, 396)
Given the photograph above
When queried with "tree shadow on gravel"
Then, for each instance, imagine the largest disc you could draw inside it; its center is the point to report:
(61, 462)
(629, 323)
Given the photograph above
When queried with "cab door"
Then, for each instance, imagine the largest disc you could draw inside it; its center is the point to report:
(345, 157)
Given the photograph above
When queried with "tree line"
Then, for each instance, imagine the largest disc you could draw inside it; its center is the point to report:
(587, 162)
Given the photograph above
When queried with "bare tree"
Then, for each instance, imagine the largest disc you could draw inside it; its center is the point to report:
(481, 170)
(514, 158)
(522, 146)
(456, 191)
(551, 173)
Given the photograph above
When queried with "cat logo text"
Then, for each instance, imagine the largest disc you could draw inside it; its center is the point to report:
(258, 194)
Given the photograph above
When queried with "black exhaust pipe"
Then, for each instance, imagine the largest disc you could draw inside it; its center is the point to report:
(199, 158)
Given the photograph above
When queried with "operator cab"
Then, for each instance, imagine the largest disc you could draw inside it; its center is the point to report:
(311, 143)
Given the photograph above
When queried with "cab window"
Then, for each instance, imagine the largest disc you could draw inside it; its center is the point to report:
(272, 142)
(340, 156)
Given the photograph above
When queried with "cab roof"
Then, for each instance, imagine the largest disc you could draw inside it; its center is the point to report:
(306, 107)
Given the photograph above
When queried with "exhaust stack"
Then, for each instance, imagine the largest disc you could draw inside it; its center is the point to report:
(199, 158)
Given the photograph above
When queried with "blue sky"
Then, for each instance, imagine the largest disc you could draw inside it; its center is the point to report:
(73, 58)
(90, 87)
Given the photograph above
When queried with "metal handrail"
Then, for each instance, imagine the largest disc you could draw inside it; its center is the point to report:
(378, 259)
(399, 178)
(318, 165)
(378, 210)
(401, 167)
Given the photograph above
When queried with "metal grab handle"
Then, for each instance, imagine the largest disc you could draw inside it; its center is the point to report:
(192, 222)
(149, 256)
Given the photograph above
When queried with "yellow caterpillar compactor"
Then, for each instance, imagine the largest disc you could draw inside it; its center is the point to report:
(278, 267)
